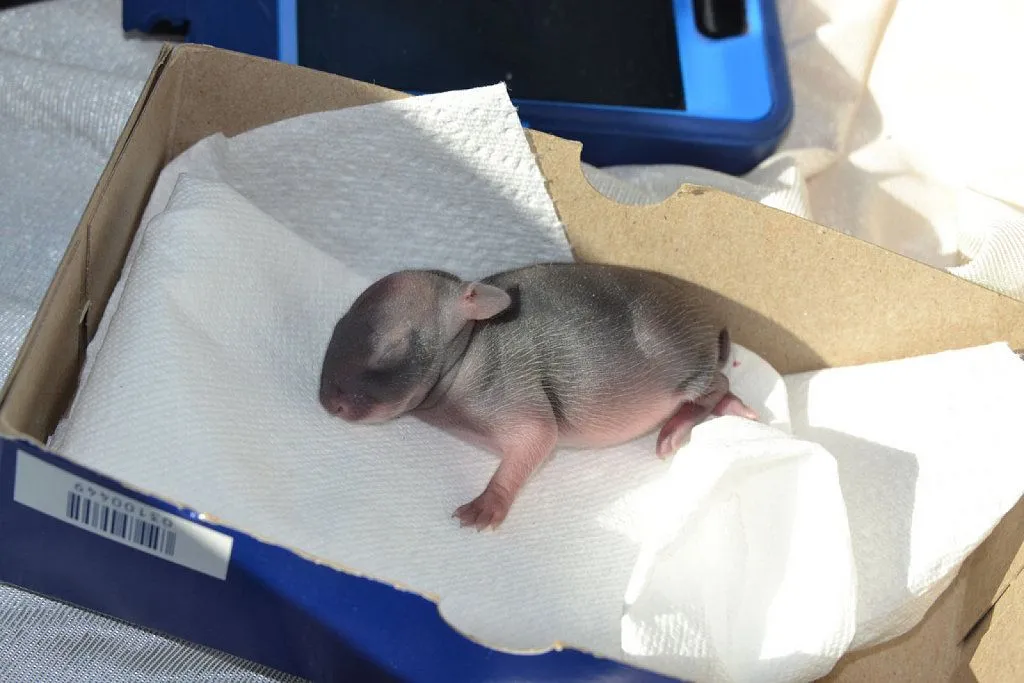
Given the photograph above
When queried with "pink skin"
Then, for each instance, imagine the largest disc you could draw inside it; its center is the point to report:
(525, 447)
(717, 401)
(376, 415)
(523, 451)
(380, 413)
(531, 383)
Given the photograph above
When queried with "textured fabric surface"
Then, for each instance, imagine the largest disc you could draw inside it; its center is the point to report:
(45, 641)
(916, 505)
(68, 81)
(745, 570)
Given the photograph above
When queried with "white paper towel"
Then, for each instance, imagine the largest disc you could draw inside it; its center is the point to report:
(749, 576)
(224, 361)
(450, 178)
(215, 342)
(900, 475)
(930, 458)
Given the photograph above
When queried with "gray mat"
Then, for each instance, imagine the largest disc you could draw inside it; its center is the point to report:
(68, 81)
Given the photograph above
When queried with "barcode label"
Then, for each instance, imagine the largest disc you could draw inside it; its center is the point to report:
(121, 523)
(54, 492)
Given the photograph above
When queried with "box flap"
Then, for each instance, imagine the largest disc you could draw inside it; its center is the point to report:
(993, 651)
(993, 570)
(236, 93)
(801, 295)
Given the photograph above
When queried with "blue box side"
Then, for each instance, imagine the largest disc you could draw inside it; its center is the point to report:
(732, 128)
(274, 607)
(734, 145)
(614, 136)
(249, 26)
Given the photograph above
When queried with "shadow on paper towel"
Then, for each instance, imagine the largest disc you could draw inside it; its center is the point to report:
(879, 486)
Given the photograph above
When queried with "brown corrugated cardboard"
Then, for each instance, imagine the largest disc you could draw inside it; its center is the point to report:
(801, 295)
(993, 650)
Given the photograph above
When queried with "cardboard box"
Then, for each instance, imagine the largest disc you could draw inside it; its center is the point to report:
(801, 295)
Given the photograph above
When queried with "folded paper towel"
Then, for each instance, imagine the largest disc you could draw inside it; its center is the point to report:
(446, 181)
(743, 558)
(223, 361)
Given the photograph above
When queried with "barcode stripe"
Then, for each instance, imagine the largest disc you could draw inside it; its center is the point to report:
(120, 524)
(120, 517)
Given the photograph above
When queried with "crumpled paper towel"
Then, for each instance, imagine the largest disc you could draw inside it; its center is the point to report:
(929, 453)
(214, 343)
(924, 469)
(746, 571)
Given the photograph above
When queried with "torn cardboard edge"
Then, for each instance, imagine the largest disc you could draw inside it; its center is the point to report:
(833, 299)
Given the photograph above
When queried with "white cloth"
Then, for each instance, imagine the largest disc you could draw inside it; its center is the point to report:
(214, 340)
(907, 133)
(745, 570)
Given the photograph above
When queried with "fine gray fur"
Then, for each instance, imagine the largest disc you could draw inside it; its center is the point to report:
(521, 362)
